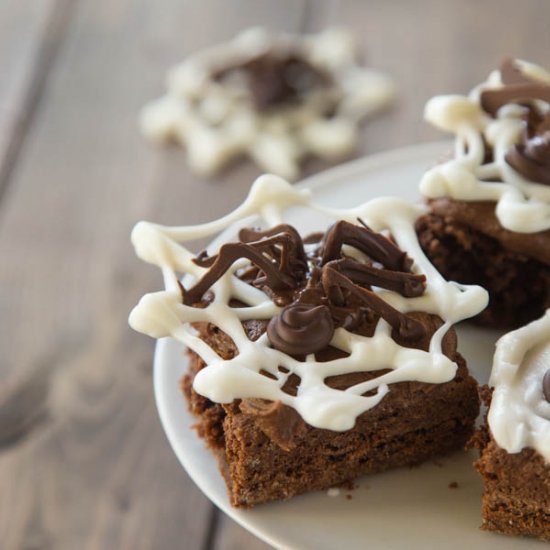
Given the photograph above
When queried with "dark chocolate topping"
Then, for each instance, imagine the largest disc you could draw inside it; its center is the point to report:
(406, 284)
(274, 80)
(294, 256)
(332, 279)
(323, 289)
(301, 329)
(518, 87)
(511, 73)
(378, 247)
(546, 386)
(493, 100)
(530, 157)
(279, 257)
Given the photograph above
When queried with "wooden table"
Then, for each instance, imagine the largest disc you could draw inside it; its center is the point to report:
(83, 459)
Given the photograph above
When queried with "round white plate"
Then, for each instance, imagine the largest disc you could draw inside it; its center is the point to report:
(404, 508)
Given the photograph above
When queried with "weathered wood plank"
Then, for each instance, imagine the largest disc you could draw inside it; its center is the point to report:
(30, 33)
(96, 471)
(231, 536)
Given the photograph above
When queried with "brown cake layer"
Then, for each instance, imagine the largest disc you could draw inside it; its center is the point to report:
(511, 266)
(516, 493)
(267, 452)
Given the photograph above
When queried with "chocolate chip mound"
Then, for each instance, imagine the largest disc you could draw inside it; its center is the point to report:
(301, 329)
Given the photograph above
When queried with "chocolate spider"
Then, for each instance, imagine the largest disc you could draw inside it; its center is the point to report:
(278, 254)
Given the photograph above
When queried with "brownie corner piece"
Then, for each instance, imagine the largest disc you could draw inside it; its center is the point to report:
(516, 493)
(518, 285)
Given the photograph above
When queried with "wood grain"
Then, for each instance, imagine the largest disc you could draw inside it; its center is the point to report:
(83, 460)
(231, 536)
(30, 33)
(96, 471)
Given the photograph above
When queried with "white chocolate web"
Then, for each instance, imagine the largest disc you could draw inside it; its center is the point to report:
(163, 314)
(519, 415)
(522, 206)
(216, 123)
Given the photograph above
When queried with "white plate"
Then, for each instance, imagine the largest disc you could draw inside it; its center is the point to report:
(404, 508)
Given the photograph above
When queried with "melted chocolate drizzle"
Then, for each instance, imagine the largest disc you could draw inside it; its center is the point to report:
(531, 156)
(511, 73)
(295, 259)
(407, 327)
(274, 80)
(271, 255)
(323, 290)
(409, 285)
(378, 247)
(493, 100)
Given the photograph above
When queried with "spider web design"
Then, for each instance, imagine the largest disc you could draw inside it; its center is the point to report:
(223, 380)
(216, 124)
(478, 170)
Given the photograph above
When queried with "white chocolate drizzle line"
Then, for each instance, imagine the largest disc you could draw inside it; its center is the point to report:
(216, 123)
(163, 314)
(519, 415)
(522, 206)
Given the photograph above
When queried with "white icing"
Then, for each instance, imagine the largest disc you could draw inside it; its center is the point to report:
(519, 415)
(162, 313)
(522, 206)
(216, 123)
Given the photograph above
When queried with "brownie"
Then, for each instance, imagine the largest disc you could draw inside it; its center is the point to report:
(316, 359)
(466, 244)
(267, 452)
(516, 487)
(489, 203)
(513, 441)
(516, 498)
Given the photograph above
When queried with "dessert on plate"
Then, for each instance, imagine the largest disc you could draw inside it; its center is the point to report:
(489, 219)
(313, 357)
(273, 97)
(515, 441)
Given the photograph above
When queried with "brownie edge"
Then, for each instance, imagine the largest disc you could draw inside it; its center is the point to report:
(516, 486)
(518, 285)
(516, 492)
(415, 422)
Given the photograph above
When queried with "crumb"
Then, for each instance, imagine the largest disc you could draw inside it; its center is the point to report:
(333, 492)
(453, 485)
(349, 497)
(350, 485)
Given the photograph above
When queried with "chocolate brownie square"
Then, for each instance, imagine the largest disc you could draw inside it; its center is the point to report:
(488, 219)
(515, 439)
